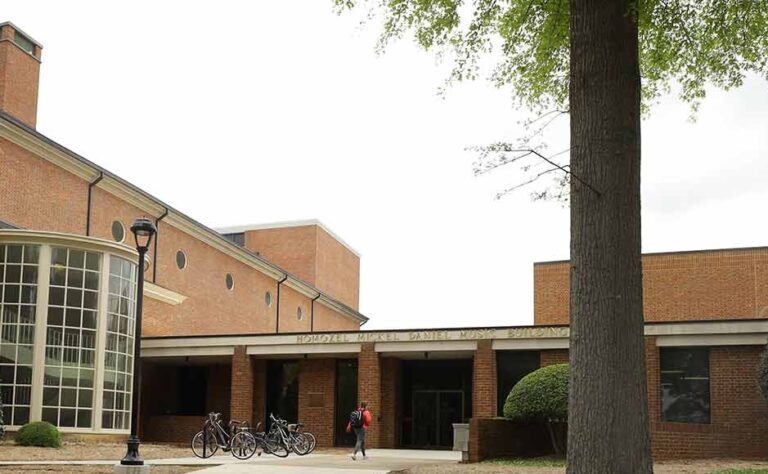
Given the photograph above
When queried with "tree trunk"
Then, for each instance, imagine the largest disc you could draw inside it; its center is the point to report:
(608, 410)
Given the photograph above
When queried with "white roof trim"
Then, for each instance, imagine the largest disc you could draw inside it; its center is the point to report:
(35, 42)
(279, 225)
(163, 294)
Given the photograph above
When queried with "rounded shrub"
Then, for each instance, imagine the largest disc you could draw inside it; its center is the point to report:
(541, 395)
(39, 433)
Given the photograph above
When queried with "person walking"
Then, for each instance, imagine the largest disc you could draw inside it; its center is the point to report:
(359, 422)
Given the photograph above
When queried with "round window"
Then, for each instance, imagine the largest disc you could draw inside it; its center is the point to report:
(268, 299)
(118, 231)
(299, 313)
(181, 259)
(230, 280)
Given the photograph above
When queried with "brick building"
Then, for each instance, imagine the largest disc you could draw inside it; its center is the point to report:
(264, 318)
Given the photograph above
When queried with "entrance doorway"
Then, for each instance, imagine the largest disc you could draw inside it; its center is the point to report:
(346, 400)
(282, 390)
(434, 412)
(436, 394)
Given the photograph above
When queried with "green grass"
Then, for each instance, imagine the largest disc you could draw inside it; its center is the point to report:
(743, 471)
(548, 461)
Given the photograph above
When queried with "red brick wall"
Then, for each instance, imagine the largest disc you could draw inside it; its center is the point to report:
(706, 285)
(35, 194)
(738, 425)
(313, 255)
(739, 414)
(369, 390)
(498, 437)
(291, 248)
(241, 395)
(391, 406)
(19, 79)
(484, 381)
(317, 401)
(553, 356)
(290, 301)
(172, 428)
(338, 270)
(327, 319)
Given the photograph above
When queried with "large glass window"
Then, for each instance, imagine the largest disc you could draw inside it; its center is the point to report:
(70, 346)
(685, 384)
(18, 274)
(283, 389)
(511, 366)
(118, 363)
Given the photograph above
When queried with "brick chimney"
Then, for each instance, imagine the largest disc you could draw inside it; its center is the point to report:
(19, 73)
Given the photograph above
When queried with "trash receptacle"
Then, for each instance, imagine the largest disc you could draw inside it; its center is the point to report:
(461, 439)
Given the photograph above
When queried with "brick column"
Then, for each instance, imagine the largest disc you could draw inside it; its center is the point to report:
(317, 384)
(391, 415)
(259, 391)
(369, 390)
(241, 394)
(484, 381)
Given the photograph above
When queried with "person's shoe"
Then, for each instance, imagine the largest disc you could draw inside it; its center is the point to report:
(365, 458)
(354, 458)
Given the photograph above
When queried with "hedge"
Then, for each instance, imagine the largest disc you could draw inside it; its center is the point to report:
(541, 395)
(39, 433)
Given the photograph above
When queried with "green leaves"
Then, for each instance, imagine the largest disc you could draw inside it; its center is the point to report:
(688, 43)
(541, 395)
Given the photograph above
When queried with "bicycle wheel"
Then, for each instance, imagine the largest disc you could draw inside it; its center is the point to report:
(300, 444)
(204, 450)
(312, 440)
(243, 445)
(273, 443)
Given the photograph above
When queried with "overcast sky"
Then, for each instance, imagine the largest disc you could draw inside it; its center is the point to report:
(237, 113)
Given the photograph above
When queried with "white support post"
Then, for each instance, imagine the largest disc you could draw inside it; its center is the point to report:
(41, 324)
(101, 342)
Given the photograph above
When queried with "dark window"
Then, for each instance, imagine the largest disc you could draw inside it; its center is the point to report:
(193, 386)
(181, 260)
(238, 238)
(511, 366)
(346, 399)
(118, 231)
(684, 384)
(24, 43)
(283, 389)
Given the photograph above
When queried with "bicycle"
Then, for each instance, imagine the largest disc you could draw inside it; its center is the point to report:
(238, 440)
(310, 437)
(288, 437)
(269, 444)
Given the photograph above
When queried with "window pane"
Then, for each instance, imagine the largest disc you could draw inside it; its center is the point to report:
(685, 384)
(51, 415)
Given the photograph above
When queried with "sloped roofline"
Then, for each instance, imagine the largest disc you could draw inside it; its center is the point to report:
(9, 122)
(236, 229)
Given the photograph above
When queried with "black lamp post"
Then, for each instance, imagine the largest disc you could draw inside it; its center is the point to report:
(143, 230)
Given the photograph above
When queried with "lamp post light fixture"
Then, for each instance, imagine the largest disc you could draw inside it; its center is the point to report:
(143, 230)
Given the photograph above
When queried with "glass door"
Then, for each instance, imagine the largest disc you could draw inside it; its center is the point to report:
(346, 400)
(434, 413)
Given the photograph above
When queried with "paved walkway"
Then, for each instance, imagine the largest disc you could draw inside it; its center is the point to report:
(380, 461)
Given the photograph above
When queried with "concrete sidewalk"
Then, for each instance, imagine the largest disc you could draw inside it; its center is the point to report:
(380, 461)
